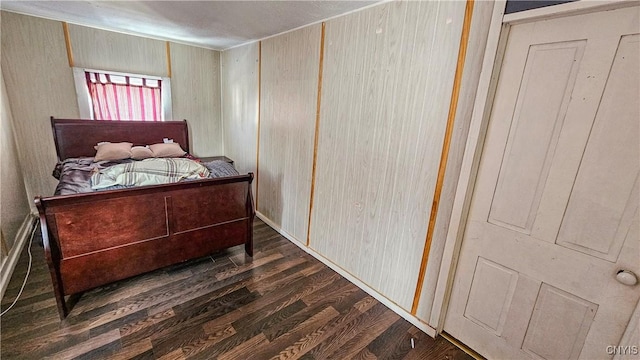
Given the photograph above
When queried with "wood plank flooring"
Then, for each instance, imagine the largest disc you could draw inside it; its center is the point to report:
(282, 304)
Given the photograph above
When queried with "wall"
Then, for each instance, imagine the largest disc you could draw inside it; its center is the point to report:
(387, 84)
(289, 92)
(239, 97)
(40, 84)
(14, 205)
(195, 92)
(479, 33)
(106, 50)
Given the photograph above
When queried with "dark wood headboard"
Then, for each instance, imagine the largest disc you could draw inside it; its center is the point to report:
(76, 138)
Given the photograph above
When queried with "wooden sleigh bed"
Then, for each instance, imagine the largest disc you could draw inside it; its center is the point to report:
(95, 238)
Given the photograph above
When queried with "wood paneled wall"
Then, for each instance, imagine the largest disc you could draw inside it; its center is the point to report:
(14, 204)
(239, 97)
(40, 84)
(106, 50)
(387, 85)
(289, 88)
(480, 23)
(195, 93)
(388, 76)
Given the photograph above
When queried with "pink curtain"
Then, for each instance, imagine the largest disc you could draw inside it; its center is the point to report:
(116, 97)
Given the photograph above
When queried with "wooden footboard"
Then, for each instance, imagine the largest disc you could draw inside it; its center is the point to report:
(97, 238)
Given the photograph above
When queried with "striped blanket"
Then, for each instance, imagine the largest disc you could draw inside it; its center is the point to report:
(149, 172)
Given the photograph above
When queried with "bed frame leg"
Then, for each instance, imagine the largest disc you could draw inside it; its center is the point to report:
(248, 245)
(52, 254)
(63, 309)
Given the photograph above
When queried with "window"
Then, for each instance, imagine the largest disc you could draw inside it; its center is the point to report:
(104, 95)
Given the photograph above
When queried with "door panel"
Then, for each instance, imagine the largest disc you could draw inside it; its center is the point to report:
(492, 290)
(601, 207)
(549, 75)
(554, 213)
(546, 340)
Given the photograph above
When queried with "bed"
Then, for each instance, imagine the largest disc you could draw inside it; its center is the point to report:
(95, 238)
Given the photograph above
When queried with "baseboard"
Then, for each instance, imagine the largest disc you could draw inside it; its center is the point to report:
(14, 254)
(357, 282)
(278, 229)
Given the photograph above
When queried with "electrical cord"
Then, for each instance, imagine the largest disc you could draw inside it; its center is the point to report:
(28, 271)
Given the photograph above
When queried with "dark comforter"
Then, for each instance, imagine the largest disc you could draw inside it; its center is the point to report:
(75, 174)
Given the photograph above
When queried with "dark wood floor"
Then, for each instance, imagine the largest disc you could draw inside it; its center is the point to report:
(281, 304)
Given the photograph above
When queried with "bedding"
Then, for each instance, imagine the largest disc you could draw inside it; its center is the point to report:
(149, 172)
(75, 174)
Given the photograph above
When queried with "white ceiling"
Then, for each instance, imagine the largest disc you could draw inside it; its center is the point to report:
(212, 24)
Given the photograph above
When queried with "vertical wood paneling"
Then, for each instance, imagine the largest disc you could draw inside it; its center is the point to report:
(39, 84)
(67, 41)
(106, 50)
(239, 74)
(195, 96)
(289, 85)
(14, 204)
(258, 133)
(444, 156)
(386, 88)
(168, 44)
(315, 138)
(480, 23)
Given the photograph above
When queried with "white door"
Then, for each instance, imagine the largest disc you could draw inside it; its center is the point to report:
(554, 213)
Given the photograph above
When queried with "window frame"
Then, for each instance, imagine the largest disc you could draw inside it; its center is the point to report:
(85, 105)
